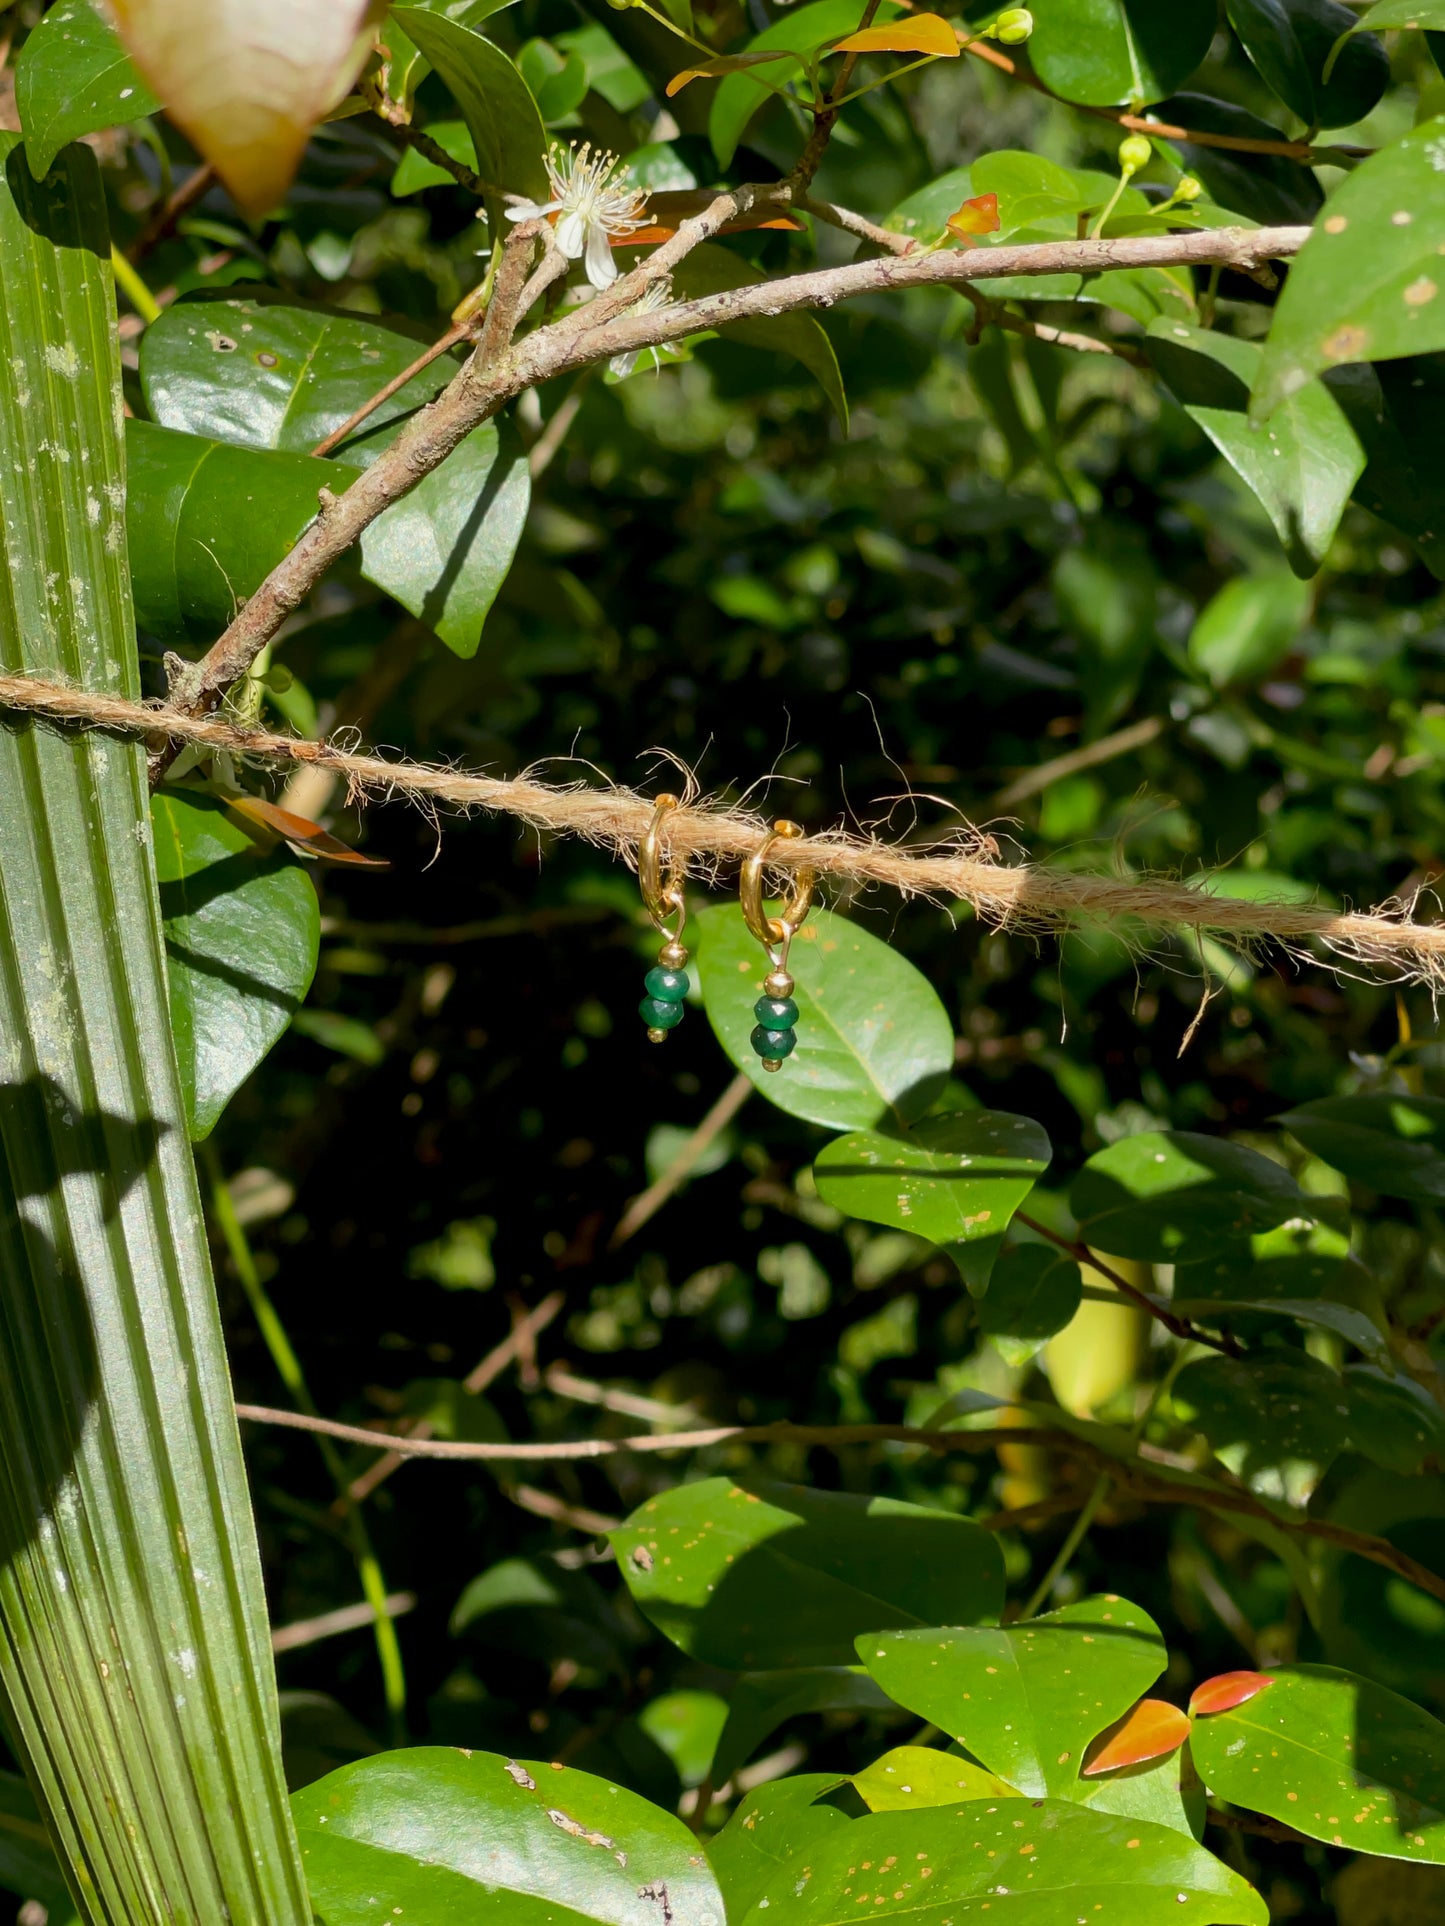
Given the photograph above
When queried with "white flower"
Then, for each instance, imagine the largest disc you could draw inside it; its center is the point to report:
(595, 202)
(655, 297)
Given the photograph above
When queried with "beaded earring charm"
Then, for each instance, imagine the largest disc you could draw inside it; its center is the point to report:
(775, 1010)
(662, 1009)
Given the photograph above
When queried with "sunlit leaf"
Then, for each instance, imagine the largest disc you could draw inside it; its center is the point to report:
(726, 64)
(916, 1775)
(760, 1702)
(1226, 1690)
(496, 102)
(978, 215)
(1152, 1730)
(1103, 53)
(248, 90)
(804, 30)
(74, 77)
(768, 1829)
(923, 33)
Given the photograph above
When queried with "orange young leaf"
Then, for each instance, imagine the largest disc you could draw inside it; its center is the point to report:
(1228, 1689)
(978, 216)
(725, 64)
(300, 831)
(1151, 1730)
(925, 33)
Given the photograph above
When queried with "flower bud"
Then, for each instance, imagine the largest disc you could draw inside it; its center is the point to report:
(1134, 153)
(1186, 188)
(1013, 25)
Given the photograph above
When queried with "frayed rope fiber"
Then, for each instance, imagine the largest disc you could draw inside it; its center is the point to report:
(707, 836)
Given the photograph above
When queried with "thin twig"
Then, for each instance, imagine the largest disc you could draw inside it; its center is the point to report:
(1130, 1474)
(353, 421)
(704, 837)
(1180, 1327)
(1074, 760)
(348, 1618)
(193, 188)
(545, 1504)
(603, 328)
(651, 1200)
(543, 450)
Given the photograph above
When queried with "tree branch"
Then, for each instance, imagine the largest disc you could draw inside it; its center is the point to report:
(1179, 1327)
(603, 328)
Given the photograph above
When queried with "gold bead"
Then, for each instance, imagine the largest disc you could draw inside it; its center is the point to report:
(672, 956)
(657, 1036)
(772, 1063)
(778, 983)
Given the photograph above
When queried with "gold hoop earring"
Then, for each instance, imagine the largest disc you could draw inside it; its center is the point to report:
(776, 1012)
(667, 984)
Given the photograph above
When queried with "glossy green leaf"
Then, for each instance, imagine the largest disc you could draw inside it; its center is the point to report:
(206, 523)
(74, 77)
(1032, 1293)
(760, 1702)
(242, 934)
(506, 127)
(1164, 1194)
(1301, 464)
(1266, 1414)
(1397, 408)
(1267, 188)
(778, 1575)
(1025, 1699)
(875, 1045)
(1393, 1421)
(1367, 284)
(448, 1836)
(1290, 42)
(955, 1180)
(1405, 13)
(803, 31)
(916, 1775)
(687, 1726)
(768, 1830)
(1237, 1290)
(1164, 1791)
(1105, 53)
(1064, 1863)
(123, 1510)
(1394, 1144)
(1337, 1757)
(1248, 628)
(269, 371)
(713, 270)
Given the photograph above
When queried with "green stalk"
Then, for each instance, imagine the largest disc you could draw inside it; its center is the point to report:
(135, 1667)
(288, 1366)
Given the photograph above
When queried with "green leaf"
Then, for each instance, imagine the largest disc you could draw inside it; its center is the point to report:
(1366, 286)
(804, 31)
(713, 270)
(124, 1513)
(686, 1726)
(1393, 1421)
(1248, 628)
(347, 1036)
(242, 934)
(206, 523)
(558, 81)
(1064, 1864)
(1337, 1757)
(769, 1829)
(1026, 1699)
(1106, 53)
(1164, 1193)
(924, 214)
(1301, 464)
(269, 371)
(451, 1837)
(1334, 1293)
(777, 1575)
(1290, 42)
(1404, 13)
(874, 1042)
(1394, 1144)
(1032, 1294)
(955, 1180)
(496, 103)
(1265, 1415)
(916, 1775)
(760, 1702)
(74, 77)
(1397, 409)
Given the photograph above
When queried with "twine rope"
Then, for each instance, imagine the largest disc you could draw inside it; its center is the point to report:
(705, 836)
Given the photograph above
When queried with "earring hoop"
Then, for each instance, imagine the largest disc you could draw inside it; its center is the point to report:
(663, 897)
(775, 1010)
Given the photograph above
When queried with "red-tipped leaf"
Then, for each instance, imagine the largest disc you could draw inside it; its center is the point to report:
(1151, 1730)
(978, 216)
(300, 832)
(1227, 1690)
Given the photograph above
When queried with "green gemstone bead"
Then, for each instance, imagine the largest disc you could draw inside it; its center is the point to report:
(658, 1015)
(776, 1012)
(773, 1045)
(668, 986)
